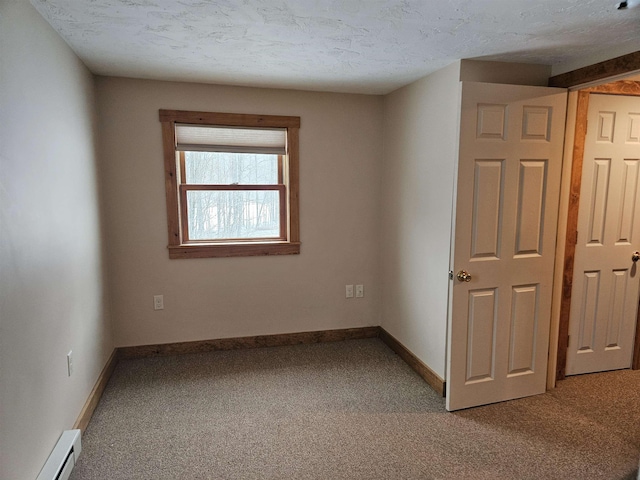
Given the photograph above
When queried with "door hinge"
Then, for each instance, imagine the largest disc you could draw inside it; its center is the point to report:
(568, 338)
(575, 239)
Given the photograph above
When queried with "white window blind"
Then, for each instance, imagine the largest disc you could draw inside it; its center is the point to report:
(197, 138)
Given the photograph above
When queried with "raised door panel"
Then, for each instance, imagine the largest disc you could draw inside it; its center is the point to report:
(488, 196)
(481, 336)
(524, 321)
(531, 207)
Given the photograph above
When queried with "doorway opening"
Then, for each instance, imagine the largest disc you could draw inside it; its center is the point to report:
(614, 77)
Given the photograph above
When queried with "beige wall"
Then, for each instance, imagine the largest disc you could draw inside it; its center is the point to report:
(501, 72)
(340, 160)
(421, 125)
(51, 276)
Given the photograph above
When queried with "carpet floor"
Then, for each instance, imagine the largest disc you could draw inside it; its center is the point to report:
(347, 410)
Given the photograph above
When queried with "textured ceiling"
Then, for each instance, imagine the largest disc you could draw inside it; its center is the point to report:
(365, 46)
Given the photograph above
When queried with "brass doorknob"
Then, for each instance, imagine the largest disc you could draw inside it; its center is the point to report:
(463, 276)
(636, 256)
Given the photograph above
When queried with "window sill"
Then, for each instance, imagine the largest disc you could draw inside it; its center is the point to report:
(233, 250)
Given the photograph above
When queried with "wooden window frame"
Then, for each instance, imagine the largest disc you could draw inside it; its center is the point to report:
(179, 245)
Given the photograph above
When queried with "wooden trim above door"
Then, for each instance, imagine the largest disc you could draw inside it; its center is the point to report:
(599, 71)
(623, 87)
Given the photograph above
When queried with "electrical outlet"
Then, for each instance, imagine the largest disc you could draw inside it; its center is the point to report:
(359, 291)
(70, 362)
(349, 291)
(158, 302)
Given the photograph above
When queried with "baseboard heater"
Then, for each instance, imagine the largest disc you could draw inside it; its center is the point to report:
(63, 458)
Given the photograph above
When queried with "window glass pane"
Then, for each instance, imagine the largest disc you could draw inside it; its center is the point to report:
(233, 214)
(230, 168)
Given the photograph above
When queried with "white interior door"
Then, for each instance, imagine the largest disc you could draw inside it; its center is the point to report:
(510, 158)
(604, 296)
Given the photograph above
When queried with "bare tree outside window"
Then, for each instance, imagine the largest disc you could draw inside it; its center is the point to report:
(232, 214)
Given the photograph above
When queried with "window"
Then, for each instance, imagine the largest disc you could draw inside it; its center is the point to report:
(232, 184)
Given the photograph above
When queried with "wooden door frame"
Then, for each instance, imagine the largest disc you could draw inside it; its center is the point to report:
(611, 68)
